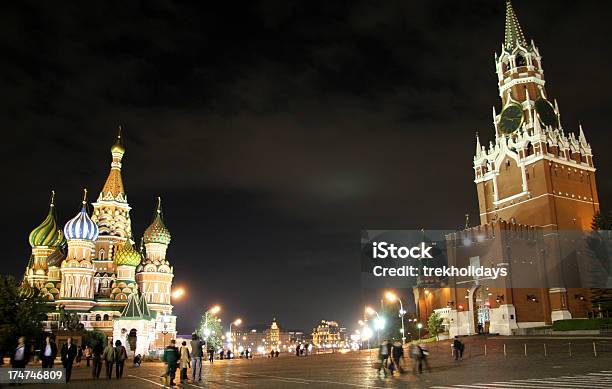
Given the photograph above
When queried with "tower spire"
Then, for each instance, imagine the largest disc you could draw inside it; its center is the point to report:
(513, 33)
(478, 147)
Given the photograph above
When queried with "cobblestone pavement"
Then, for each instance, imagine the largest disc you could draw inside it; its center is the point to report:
(559, 368)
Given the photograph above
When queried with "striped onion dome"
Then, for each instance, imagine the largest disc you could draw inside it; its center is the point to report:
(81, 226)
(25, 290)
(126, 255)
(47, 234)
(157, 231)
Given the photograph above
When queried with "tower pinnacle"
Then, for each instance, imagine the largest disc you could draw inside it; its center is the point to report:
(513, 33)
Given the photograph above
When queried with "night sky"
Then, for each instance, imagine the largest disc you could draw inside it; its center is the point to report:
(275, 130)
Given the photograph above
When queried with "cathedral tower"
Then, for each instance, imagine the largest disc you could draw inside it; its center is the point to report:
(154, 274)
(45, 240)
(111, 210)
(77, 289)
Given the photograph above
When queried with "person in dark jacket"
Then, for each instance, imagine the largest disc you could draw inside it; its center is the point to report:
(96, 368)
(397, 356)
(196, 357)
(48, 352)
(171, 357)
(120, 357)
(108, 356)
(457, 348)
(69, 353)
(21, 355)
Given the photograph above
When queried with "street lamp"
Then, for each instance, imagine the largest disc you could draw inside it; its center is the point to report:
(392, 297)
(419, 326)
(178, 293)
(379, 323)
(236, 322)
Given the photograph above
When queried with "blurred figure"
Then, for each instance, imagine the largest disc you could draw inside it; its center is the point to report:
(397, 356)
(21, 355)
(96, 353)
(87, 355)
(108, 355)
(120, 357)
(185, 360)
(68, 353)
(79, 356)
(383, 356)
(457, 348)
(137, 360)
(211, 353)
(196, 357)
(48, 353)
(171, 357)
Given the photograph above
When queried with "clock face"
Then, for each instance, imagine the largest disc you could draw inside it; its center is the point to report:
(546, 112)
(511, 118)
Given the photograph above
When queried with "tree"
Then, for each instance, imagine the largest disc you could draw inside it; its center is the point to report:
(210, 330)
(434, 324)
(21, 314)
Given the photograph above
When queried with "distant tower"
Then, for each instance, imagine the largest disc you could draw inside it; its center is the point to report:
(154, 274)
(111, 210)
(77, 289)
(44, 239)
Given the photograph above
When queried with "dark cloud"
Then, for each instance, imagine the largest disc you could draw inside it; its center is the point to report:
(275, 130)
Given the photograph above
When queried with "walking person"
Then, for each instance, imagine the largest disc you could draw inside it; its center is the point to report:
(96, 353)
(120, 357)
(68, 353)
(79, 356)
(48, 353)
(21, 355)
(185, 359)
(211, 354)
(457, 349)
(196, 357)
(87, 355)
(397, 356)
(108, 355)
(383, 356)
(171, 357)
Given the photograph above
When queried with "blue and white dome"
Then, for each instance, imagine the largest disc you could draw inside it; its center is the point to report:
(81, 226)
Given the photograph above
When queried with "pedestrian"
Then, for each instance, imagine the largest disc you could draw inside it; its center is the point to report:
(68, 353)
(480, 328)
(48, 353)
(87, 355)
(196, 357)
(211, 353)
(120, 357)
(413, 353)
(185, 359)
(422, 357)
(397, 356)
(171, 357)
(108, 355)
(249, 353)
(79, 356)
(21, 355)
(457, 349)
(96, 353)
(383, 356)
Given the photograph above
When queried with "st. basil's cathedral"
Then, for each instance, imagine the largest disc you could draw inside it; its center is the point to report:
(90, 267)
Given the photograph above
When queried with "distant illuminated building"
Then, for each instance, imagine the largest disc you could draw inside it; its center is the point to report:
(327, 335)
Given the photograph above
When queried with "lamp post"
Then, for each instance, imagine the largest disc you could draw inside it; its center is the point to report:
(392, 297)
(236, 322)
(379, 322)
(419, 326)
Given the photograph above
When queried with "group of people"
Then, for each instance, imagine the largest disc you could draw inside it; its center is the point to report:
(391, 356)
(180, 357)
(70, 352)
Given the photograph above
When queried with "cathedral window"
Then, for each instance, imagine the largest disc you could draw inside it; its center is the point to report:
(101, 254)
(98, 317)
(106, 317)
(520, 60)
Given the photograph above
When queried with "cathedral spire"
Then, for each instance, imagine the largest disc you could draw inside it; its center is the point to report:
(478, 147)
(113, 187)
(513, 33)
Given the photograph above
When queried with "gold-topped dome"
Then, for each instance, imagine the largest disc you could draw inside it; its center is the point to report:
(127, 255)
(157, 231)
(117, 147)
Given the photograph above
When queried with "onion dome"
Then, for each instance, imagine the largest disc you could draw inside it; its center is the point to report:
(126, 255)
(81, 226)
(117, 147)
(157, 231)
(47, 233)
(26, 290)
